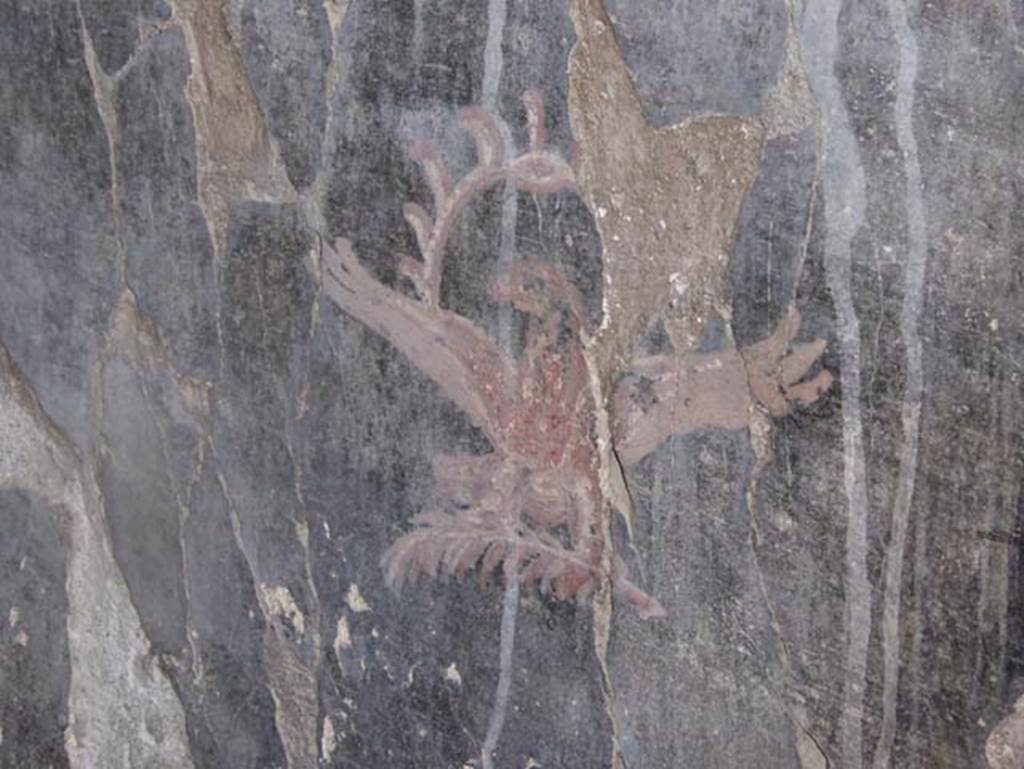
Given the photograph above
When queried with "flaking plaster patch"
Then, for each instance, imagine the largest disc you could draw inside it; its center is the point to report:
(278, 601)
(342, 636)
(451, 673)
(355, 599)
(328, 739)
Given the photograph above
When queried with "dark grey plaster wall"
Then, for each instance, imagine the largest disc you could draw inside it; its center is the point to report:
(203, 458)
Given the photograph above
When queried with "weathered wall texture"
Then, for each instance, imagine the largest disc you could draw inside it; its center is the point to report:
(681, 375)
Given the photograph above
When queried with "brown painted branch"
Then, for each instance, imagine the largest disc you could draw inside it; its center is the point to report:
(671, 395)
(458, 543)
(541, 172)
(536, 171)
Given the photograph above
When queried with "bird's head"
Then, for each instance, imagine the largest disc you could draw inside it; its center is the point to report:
(540, 290)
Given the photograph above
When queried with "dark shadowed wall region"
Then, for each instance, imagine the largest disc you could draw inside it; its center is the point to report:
(519, 384)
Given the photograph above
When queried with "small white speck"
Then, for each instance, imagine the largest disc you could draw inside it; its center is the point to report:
(452, 674)
(328, 742)
(355, 599)
(602, 212)
(342, 637)
(993, 324)
(21, 638)
(12, 616)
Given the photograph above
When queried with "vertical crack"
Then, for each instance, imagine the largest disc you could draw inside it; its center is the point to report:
(613, 496)
(103, 88)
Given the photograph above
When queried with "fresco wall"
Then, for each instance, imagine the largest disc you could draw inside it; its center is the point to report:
(508, 383)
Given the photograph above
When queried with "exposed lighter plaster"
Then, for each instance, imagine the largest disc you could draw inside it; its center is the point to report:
(277, 601)
(355, 599)
(452, 674)
(1004, 748)
(789, 106)
(665, 200)
(132, 337)
(328, 740)
(237, 158)
(111, 679)
(342, 636)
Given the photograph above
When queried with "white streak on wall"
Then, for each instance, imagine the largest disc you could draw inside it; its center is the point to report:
(844, 197)
(493, 64)
(913, 298)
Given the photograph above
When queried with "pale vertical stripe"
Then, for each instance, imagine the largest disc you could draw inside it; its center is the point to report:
(844, 197)
(913, 299)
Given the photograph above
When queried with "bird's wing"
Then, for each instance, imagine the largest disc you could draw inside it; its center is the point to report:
(462, 360)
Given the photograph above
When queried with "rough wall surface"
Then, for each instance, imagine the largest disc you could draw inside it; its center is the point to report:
(669, 352)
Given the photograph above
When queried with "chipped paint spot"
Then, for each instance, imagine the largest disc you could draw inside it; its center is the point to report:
(355, 599)
(328, 740)
(452, 674)
(21, 639)
(342, 637)
(279, 602)
(302, 532)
